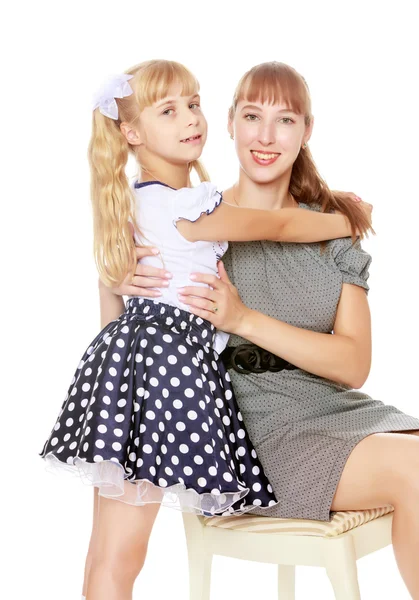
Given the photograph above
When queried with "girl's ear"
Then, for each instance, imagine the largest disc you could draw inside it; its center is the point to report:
(131, 135)
(230, 128)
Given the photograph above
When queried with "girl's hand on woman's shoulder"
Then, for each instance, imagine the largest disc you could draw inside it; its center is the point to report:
(145, 277)
(220, 303)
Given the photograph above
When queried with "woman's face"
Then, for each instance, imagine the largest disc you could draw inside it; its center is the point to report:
(268, 139)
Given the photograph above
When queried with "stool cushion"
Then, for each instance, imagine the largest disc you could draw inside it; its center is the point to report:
(341, 522)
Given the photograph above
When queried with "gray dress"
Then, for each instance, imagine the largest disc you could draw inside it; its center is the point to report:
(303, 426)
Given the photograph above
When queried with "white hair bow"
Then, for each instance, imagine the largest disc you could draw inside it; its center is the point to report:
(116, 87)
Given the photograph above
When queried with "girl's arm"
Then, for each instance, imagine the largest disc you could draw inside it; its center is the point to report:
(237, 224)
(111, 305)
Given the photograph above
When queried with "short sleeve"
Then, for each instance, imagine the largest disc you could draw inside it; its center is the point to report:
(352, 261)
(191, 203)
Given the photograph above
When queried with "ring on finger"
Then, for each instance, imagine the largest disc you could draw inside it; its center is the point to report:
(215, 308)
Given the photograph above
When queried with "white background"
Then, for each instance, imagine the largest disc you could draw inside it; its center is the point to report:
(358, 59)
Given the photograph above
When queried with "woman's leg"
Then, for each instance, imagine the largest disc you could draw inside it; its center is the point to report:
(384, 469)
(93, 538)
(122, 535)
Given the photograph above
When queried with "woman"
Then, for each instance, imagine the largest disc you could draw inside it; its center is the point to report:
(324, 446)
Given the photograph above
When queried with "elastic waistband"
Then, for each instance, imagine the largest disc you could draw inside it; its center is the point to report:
(178, 320)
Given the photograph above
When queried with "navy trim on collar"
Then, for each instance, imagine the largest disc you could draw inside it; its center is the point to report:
(140, 184)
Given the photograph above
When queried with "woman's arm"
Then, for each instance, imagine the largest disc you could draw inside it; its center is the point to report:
(237, 224)
(344, 357)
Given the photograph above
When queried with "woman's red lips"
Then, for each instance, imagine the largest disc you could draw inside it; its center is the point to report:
(264, 158)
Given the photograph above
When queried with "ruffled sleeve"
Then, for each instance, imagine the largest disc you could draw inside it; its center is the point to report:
(191, 203)
(352, 261)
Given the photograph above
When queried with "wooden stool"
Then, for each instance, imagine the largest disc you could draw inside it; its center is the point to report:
(335, 545)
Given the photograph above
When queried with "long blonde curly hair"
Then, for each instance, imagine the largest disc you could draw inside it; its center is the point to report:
(111, 194)
(277, 83)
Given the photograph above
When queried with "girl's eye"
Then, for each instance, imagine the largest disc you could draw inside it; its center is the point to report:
(168, 111)
(287, 120)
(251, 117)
(194, 105)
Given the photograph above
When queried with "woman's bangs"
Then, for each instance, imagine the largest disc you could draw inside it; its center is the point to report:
(274, 84)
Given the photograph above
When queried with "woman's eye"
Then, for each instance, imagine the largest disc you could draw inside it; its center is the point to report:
(287, 120)
(194, 105)
(251, 117)
(168, 111)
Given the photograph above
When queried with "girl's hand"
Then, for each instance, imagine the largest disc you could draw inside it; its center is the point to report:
(144, 278)
(220, 304)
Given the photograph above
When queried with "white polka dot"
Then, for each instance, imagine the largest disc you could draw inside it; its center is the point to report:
(171, 438)
(241, 451)
(175, 460)
(189, 393)
(138, 358)
(116, 357)
(116, 446)
(208, 449)
(136, 407)
(165, 393)
(186, 370)
(177, 404)
(194, 437)
(226, 420)
(167, 338)
(69, 422)
(187, 470)
(198, 460)
(112, 371)
(154, 382)
(152, 470)
(184, 448)
(88, 371)
(118, 432)
(174, 381)
(150, 415)
(104, 414)
(172, 360)
(149, 361)
(202, 482)
(140, 462)
(147, 449)
(124, 387)
(180, 426)
(158, 349)
(205, 427)
(255, 470)
(162, 370)
(120, 343)
(84, 402)
(155, 437)
(192, 415)
(168, 471)
(119, 418)
(162, 482)
(100, 444)
(227, 477)
(212, 471)
(54, 441)
(182, 349)
(168, 415)
(102, 429)
(85, 387)
(122, 402)
(109, 385)
(97, 458)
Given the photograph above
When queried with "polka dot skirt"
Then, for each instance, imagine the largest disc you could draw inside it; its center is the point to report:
(150, 416)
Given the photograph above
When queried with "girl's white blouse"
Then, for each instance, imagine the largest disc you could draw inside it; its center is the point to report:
(157, 208)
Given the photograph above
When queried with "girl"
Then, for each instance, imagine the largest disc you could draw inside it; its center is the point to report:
(324, 446)
(150, 416)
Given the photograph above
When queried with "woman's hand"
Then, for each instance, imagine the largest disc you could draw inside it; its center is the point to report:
(220, 304)
(144, 278)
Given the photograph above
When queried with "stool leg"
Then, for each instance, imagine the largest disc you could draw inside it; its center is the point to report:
(341, 569)
(199, 559)
(286, 582)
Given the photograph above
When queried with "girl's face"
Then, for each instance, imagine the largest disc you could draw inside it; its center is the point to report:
(268, 139)
(173, 129)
